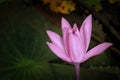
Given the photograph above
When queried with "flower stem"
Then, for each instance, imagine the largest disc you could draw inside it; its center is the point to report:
(77, 71)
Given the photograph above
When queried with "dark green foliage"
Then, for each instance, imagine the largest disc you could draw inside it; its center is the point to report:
(24, 54)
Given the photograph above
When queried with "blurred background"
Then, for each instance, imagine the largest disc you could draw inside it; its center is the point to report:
(24, 54)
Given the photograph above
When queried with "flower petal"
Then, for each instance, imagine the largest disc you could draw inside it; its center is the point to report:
(85, 31)
(55, 38)
(76, 52)
(65, 23)
(97, 50)
(65, 41)
(59, 52)
(76, 32)
(75, 29)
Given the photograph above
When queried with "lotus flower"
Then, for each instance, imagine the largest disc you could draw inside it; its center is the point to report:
(73, 46)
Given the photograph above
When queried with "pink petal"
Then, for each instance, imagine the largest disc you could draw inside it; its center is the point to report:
(55, 38)
(75, 29)
(85, 31)
(65, 23)
(97, 50)
(76, 52)
(59, 52)
(76, 32)
(65, 41)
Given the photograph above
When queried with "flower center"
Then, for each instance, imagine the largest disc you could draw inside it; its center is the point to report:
(73, 31)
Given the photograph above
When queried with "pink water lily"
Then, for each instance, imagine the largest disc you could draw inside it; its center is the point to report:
(72, 47)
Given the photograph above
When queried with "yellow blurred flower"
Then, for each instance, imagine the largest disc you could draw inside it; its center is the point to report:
(54, 5)
(61, 6)
(67, 6)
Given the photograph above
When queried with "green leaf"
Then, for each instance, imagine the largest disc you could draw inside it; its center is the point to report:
(24, 54)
